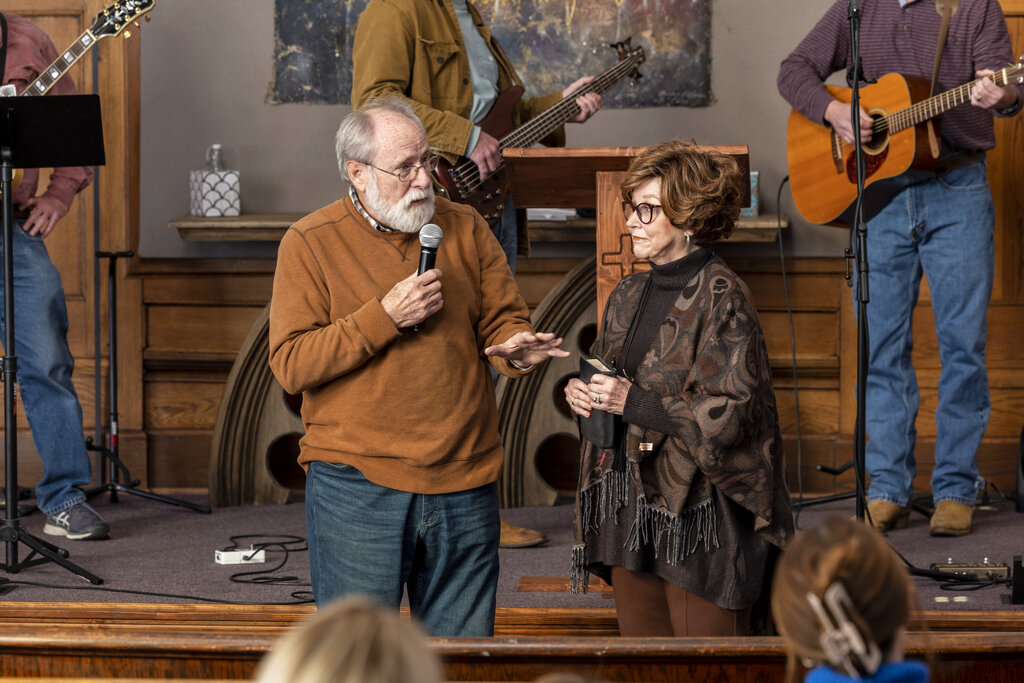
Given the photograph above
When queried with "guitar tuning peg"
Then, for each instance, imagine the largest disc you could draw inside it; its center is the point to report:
(137, 25)
(127, 35)
(148, 18)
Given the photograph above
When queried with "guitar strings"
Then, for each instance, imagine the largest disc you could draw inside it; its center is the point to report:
(919, 112)
(467, 174)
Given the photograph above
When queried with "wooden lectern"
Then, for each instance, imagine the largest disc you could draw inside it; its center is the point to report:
(590, 177)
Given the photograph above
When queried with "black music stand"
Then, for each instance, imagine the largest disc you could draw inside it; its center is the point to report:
(36, 132)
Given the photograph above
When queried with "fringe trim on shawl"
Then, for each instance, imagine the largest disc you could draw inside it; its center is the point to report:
(579, 577)
(679, 536)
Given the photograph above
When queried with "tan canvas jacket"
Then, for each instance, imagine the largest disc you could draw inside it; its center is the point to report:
(413, 49)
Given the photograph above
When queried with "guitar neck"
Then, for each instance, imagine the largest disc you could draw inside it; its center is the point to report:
(61, 65)
(919, 112)
(539, 127)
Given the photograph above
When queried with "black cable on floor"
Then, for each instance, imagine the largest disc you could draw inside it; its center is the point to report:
(265, 577)
(283, 544)
(792, 349)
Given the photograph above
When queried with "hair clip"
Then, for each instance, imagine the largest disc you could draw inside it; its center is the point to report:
(840, 640)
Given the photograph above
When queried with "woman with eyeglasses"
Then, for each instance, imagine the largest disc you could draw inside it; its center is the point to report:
(682, 515)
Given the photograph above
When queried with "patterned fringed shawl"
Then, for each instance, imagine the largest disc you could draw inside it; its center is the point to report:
(708, 363)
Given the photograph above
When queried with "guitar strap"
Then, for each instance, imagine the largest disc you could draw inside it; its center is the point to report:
(946, 9)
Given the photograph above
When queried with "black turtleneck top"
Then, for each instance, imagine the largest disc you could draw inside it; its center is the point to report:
(644, 407)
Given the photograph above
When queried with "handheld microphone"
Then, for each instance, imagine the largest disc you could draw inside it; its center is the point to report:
(430, 239)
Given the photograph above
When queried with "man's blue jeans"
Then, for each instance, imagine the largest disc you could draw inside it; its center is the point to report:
(370, 540)
(506, 230)
(943, 228)
(44, 374)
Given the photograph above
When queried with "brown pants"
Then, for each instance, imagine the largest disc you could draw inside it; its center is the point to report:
(648, 606)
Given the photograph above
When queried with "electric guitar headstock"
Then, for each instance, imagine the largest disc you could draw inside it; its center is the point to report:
(633, 55)
(115, 19)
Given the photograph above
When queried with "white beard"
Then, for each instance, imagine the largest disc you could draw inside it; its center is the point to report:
(401, 216)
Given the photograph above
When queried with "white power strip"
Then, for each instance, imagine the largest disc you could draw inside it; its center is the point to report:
(239, 556)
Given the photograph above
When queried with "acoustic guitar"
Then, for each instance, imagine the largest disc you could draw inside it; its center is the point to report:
(823, 168)
(461, 182)
(112, 21)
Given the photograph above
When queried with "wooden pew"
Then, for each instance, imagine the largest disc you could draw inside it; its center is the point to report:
(218, 642)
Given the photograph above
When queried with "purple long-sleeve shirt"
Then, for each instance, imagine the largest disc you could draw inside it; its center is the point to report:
(903, 40)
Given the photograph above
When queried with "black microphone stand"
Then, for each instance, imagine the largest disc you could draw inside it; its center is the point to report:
(860, 256)
(118, 479)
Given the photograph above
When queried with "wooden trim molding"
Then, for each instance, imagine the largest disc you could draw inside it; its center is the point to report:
(1013, 8)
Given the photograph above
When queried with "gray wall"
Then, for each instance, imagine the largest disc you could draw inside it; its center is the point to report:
(206, 66)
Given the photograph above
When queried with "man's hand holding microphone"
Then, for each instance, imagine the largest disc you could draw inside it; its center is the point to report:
(418, 296)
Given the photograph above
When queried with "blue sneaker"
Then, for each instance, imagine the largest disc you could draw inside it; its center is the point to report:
(79, 523)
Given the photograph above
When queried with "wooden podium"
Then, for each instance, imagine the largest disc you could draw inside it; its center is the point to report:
(577, 177)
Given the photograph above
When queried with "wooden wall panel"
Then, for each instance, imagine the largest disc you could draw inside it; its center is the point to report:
(179, 459)
(183, 329)
(188, 402)
(808, 291)
(819, 410)
(198, 316)
(816, 334)
(187, 371)
(237, 290)
(1007, 180)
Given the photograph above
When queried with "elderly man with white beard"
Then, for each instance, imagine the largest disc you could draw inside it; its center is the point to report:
(401, 448)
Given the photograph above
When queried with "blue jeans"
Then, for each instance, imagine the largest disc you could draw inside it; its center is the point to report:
(44, 374)
(370, 540)
(507, 232)
(943, 228)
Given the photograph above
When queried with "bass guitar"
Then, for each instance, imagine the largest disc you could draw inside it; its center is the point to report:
(112, 21)
(461, 182)
(823, 168)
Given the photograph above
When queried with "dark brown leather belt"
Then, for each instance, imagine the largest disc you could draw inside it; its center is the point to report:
(960, 161)
(21, 214)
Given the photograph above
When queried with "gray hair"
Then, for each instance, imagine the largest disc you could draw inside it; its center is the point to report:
(355, 137)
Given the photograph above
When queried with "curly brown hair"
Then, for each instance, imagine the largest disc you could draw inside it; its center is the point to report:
(700, 188)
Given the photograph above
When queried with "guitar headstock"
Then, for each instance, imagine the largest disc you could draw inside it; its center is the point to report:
(634, 55)
(115, 18)
(1018, 70)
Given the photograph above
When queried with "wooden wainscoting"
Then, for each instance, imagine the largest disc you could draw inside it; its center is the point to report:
(198, 313)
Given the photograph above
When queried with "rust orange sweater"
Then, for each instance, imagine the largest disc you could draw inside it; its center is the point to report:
(411, 411)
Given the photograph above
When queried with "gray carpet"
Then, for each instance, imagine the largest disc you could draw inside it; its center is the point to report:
(162, 553)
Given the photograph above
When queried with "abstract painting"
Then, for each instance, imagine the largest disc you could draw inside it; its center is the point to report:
(550, 42)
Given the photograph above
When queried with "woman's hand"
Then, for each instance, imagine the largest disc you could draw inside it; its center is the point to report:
(603, 393)
(609, 393)
(577, 397)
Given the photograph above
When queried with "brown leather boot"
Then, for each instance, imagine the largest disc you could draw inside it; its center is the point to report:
(951, 519)
(886, 515)
(513, 536)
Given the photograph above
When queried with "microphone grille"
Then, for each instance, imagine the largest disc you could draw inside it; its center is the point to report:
(430, 236)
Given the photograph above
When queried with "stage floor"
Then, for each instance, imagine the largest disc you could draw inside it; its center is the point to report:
(164, 554)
